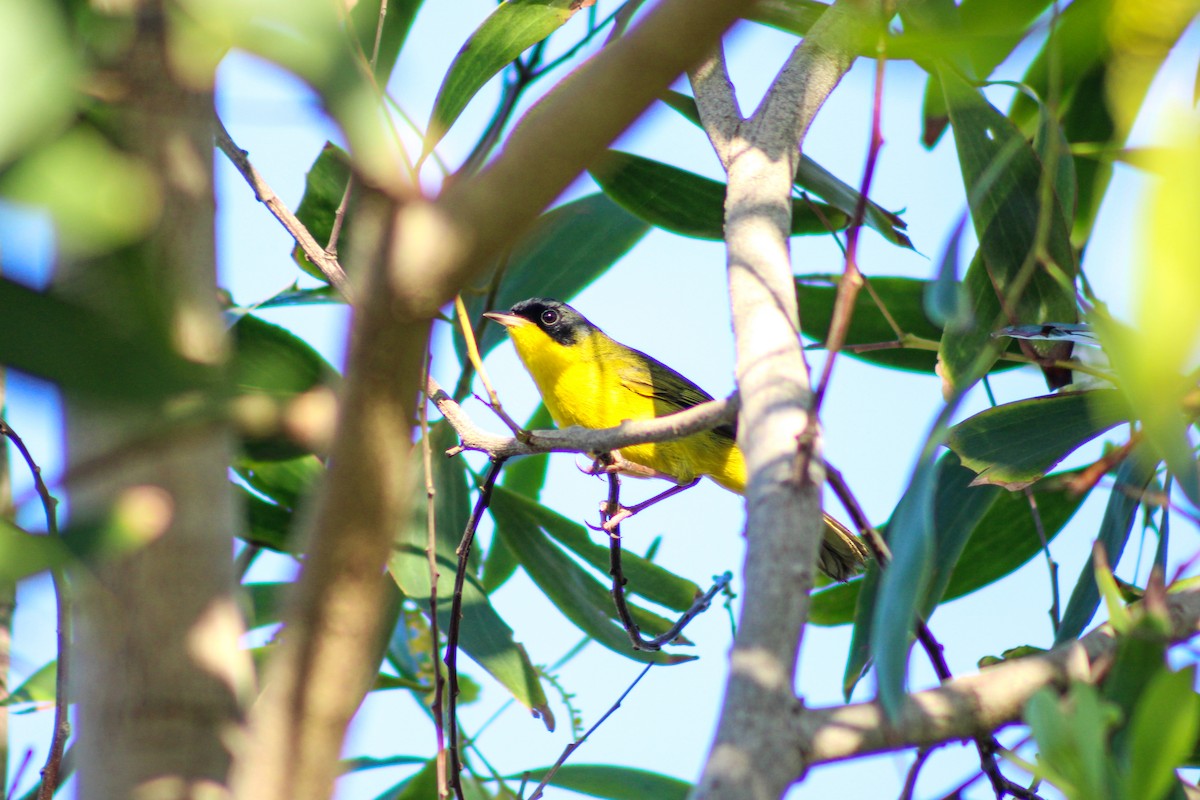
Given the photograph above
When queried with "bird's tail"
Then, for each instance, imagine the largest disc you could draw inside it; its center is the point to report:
(842, 553)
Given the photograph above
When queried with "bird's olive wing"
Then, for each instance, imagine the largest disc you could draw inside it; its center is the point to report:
(651, 378)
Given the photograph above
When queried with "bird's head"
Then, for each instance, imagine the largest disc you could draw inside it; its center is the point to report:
(531, 322)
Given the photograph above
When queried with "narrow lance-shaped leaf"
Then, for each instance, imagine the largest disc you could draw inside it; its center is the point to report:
(514, 27)
(611, 782)
(565, 250)
(687, 204)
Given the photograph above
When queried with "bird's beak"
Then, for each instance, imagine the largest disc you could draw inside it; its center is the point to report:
(507, 320)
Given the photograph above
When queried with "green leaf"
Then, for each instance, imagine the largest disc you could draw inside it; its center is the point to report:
(564, 251)
(687, 204)
(1002, 175)
(361, 763)
(611, 782)
(1131, 480)
(575, 593)
(862, 612)
(1071, 740)
(945, 299)
(397, 21)
(1118, 614)
(267, 524)
(903, 299)
(83, 352)
(514, 27)
(284, 482)
(484, 635)
(23, 554)
(271, 361)
(1015, 444)
(421, 786)
(324, 187)
(40, 687)
(810, 175)
(902, 586)
(525, 476)
(792, 16)
(100, 197)
(36, 105)
(266, 602)
(646, 579)
(1164, 728)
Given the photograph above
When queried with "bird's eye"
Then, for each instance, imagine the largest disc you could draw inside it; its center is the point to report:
(549, 316)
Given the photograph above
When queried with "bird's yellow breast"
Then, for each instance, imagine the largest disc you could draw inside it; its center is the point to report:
(590, 383)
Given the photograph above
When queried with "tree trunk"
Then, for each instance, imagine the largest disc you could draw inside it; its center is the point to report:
(158, 668)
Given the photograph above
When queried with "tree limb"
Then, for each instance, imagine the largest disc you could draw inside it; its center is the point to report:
(776, 431)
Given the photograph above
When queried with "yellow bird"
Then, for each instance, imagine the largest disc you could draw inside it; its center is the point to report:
(588, 379)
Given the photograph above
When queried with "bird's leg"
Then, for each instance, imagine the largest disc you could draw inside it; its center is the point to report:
(609, 463)
(623, 513)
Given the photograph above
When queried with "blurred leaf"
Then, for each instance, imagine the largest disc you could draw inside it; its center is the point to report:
(40, 687)
(575, 593)
(1015, 444)
(514, 27)
(566, 249)
(1004, 540)
(1118, 615)
(421, 786)
(43, 98)
(361, 763)
(284, 482)
(81, 351)
(397, 21)
(324, 187)
(270, 360)
(295, 296)
(1163, 731)
(687, 204)
(525, 476)
(945, 299)
(1131, 479)
(862, 613)
(646, 579)
(266, 602)
(23, 554)
(814, 178)
(99, 197)
(792, 16)
(611, 782)
(1002, 176)
(1154, 360)
(267, 524)
(1071, 740)
(903, 585)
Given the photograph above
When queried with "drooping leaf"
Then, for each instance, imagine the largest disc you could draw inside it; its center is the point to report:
(578, 595)
(81, 351)
(1131, 480)
(793, 16)
(946, 301)
(862, 614)
(1162, 733)
(612, 782)
(514, 27)
(1015, 444)
(1002, 175)
(812, 177)
(902, 586)
(566, 249)
(686, 203)
(23, 554)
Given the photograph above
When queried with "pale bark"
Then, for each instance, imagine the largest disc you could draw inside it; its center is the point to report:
(159, 666)
(753, 756)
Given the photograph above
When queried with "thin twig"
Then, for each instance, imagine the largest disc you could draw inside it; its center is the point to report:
(699, 605)
(452, 632)
(910, 780)
(573, 746)
(852, 279)
(62, 724)
(582, 440)
(1051, 564)
(468, 333)
(435, 645)
(326, 263)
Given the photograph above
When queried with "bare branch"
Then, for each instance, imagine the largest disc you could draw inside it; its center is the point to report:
(973, 705)
(323, 260)
(716, 100)
(583, 440)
